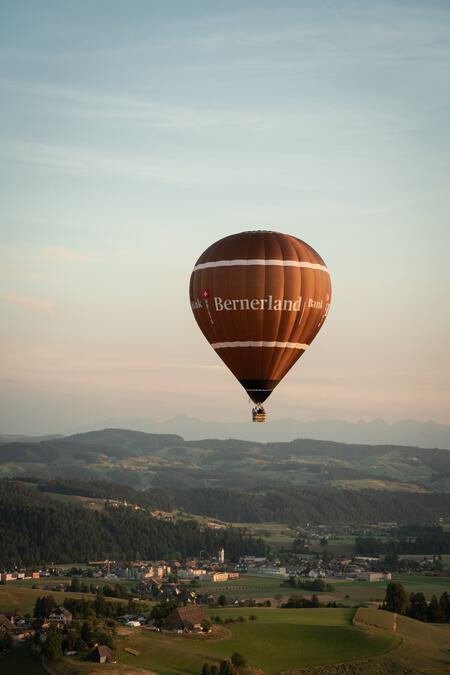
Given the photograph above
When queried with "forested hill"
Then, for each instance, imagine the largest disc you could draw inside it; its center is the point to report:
(143, 460)
(36, 528)
(74, 520)
(297, 506)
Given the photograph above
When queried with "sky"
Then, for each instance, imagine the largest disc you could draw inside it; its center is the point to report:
(135, 134)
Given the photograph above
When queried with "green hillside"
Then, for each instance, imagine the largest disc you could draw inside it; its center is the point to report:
(142, 460)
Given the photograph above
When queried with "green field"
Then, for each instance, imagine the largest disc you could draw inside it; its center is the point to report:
(276, 534)
(347, 592)
(247, 586)
(277, 640)
(335, 546)
(364, 591)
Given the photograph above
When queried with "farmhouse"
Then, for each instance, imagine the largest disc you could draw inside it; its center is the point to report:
(101, 654)
(188, 618)
(63, 616)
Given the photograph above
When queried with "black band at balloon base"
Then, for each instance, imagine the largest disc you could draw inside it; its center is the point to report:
(259, 390)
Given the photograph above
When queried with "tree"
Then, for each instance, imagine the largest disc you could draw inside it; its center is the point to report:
(396, 599)
(86, 632)
(105, 637)
(226, 668)
(206, 625)
(75, 586)
(418, 608)
(391, 561)
(299, 545)
(444, 604)
(434, 611)
(222, 600)
(52, 646)
(238, 660)
(5, 639)
(44, 606)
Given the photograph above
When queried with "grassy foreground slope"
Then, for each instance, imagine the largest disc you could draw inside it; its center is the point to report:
(423, 648)
(277, 640)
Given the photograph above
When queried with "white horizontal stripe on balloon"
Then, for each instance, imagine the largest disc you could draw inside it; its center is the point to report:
(261, 261)
(258, 343)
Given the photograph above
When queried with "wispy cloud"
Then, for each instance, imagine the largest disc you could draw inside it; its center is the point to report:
(66, 254)
(97, 104)
(385, 31)
(107, 163)
(41, 305)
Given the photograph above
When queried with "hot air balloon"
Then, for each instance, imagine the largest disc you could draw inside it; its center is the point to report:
(260, 299)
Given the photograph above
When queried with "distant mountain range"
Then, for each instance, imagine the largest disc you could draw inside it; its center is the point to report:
(406, 432)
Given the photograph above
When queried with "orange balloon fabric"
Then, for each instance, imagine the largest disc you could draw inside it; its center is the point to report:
(260, 299)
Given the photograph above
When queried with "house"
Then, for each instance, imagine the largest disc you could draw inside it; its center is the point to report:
(374, 576)
(101, 654)
(5, 622)
(62, 616)
(217, 576)
(189, 618)
(21, 634)
(6, 576)
(66, 614)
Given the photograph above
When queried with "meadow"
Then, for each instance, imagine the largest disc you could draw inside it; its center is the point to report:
(278, 535)
(276, 640)
(356, 592)
(247, 586)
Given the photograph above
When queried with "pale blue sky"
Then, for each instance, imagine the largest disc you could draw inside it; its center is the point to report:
(134, 134)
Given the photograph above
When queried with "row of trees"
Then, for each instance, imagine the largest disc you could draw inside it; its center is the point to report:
(317, 585)
(82, 608)
(111, 591)
(226, 667)
(415, 605)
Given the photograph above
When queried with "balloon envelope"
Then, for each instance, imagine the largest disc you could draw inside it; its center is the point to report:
(260, 299)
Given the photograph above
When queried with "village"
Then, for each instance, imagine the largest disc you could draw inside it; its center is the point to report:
(81, 611)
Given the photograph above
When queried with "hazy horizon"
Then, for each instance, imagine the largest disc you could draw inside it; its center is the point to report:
(135, 137)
